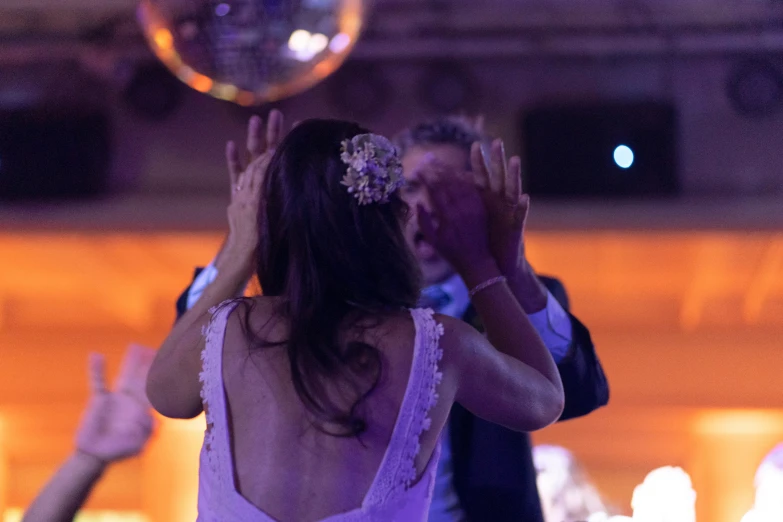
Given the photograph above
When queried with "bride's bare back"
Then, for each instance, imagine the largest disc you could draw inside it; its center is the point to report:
(282, 463)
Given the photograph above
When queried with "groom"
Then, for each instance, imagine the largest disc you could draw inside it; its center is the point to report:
(486, 472)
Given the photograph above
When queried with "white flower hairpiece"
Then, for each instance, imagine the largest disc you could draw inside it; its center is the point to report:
(374, 168)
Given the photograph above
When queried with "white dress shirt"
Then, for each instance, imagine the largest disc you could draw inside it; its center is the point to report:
(552, 324)
(202, 281)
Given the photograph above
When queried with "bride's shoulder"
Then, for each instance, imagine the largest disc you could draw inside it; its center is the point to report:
(452, 326)
(255, 310)
(457, 335)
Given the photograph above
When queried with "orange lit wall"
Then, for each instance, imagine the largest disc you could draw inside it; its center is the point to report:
(688, 325)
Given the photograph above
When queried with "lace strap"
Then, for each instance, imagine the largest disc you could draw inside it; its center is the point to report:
(216, 441)
(398, 469)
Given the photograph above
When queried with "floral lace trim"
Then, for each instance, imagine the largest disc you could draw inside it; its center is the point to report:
(211, 382)
(427, 396)
(400, 468)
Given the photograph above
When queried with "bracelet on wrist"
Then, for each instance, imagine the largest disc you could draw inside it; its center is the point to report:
(486, 284)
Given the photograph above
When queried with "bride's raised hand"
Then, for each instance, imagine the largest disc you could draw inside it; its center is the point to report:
(246, 183)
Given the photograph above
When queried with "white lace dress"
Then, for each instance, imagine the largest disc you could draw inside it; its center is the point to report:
(396, 493)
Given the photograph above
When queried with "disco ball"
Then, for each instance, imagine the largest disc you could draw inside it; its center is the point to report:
(252, 51)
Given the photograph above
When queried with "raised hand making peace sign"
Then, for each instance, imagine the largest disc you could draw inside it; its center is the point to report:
(117, 423)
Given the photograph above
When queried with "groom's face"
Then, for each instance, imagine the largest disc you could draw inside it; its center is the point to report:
(433, 267)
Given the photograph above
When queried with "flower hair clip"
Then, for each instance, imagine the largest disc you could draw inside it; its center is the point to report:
(374, 168)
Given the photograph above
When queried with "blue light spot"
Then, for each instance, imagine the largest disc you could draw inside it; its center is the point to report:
(623, 156)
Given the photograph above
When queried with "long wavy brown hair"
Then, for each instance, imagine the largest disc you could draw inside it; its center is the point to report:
(335, 264)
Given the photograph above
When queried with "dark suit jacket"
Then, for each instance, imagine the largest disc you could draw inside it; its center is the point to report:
(493, 466)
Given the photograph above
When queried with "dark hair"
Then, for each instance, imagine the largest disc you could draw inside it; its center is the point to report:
(335, 263)
(447, 130)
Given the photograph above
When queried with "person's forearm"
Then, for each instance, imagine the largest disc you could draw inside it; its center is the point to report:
(529, 291)
(231, 256)
(546, 312)
(67, 490)
(173, 388)
(507, 325)
(219, 256)
(234, 271)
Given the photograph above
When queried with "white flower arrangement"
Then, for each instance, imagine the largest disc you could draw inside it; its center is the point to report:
(374, 168)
